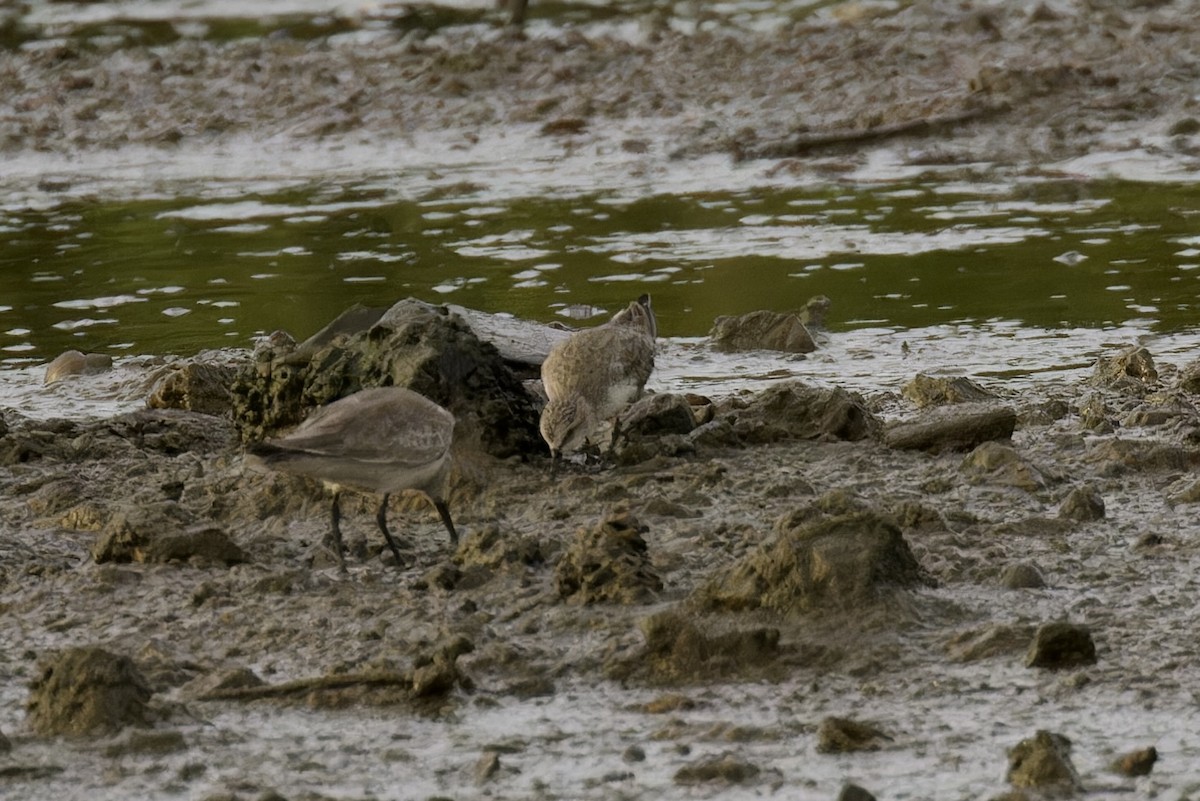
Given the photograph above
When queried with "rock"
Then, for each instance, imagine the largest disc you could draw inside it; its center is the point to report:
(842, 735)
(681, 647)
(163, 532)
(194, 386)
(608, 563)
(1044, 761)
(1061, 645)
(1189, 378)
(633, 754)
(656, 415)
(5, 744)
(793, 410)
(926, 391)
(761, 330)
(725, 769)
(1130, 370)
(995, 640)
(655, 425)
(72, 363)
(1021, 576)
(86, 691)
(1184, 491)
(852, 792)
(1160, 409)
(993, 463)
(487, 767)
(957, 427)
(844, 562)
(518, 341)
(1083, 504)
(436, 672)
(146, 742)
(815, 311)
(414, 345)
(1136, 763)
(1096, 416)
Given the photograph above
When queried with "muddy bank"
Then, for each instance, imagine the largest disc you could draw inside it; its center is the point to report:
(770, 597)
(952, 82)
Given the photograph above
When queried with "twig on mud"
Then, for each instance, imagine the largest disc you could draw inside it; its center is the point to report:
(302, 686)
(802, 143)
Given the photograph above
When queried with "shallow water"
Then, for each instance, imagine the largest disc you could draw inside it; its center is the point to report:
(217, 264)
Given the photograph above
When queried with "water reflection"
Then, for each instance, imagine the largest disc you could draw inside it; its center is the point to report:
(179, 274)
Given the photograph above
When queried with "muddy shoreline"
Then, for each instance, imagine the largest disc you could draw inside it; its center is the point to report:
(661, 589)
(952, 83)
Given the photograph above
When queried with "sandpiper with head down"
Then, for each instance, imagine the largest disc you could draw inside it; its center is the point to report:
(591, 376)
(381, 440)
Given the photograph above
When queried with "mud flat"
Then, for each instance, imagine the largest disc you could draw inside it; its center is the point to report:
(781, 591)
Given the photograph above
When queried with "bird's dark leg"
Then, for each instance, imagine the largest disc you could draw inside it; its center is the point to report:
(444, 512)
(381, 519)
(555, 462)
(335, 530)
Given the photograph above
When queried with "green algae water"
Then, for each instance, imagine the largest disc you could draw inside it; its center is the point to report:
(179, 274)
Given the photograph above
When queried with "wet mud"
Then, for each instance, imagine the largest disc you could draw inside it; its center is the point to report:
(764, 597)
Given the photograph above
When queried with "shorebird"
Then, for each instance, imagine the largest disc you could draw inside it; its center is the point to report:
(377, 440)
(591, 376)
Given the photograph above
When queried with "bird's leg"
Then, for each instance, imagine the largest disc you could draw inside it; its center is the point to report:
(381, 519)
(335, 530)
(444, 512)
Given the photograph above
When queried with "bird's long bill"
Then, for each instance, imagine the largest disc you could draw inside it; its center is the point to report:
(444, 512)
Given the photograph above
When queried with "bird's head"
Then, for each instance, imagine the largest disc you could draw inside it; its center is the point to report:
(566, 423)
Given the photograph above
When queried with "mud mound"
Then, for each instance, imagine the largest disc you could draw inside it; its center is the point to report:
(87, 690)
(414, 345)
(793, 410)
(680, 648)
(608, 563)
(843, 562)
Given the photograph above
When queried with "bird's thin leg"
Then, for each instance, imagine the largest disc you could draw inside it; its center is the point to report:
(335, 530)
(381, 519)
(444, 512)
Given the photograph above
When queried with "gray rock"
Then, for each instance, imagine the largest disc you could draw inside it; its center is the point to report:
(1061, 645)
(1044, 761)
(793, 410)
(1136, 763)
(682, 647)
(194, 386)
(85, 691)
(1130, 370)
(72, 363)
(1021, 576)
(927, 390)
(424, 348)
(852, 792)
(761, 330)
(1083, 504)
(956, 427)
(723, 769)
(842, 735)
(993, 463)
(842, 562)
(163, 532)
